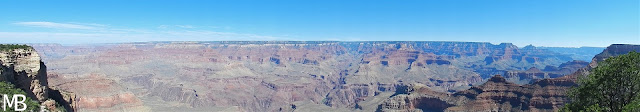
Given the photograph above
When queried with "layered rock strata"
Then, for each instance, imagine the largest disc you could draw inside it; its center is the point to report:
(23, 68)
(279, 75)
(498, 94)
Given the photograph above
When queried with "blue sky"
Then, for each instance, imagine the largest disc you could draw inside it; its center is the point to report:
(565, 23)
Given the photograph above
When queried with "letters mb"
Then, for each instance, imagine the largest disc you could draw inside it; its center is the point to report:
(14, 102)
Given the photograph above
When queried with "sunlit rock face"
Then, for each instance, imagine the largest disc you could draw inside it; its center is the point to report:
(285, 75)
(23, 68)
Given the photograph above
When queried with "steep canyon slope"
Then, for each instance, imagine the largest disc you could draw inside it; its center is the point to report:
(284, 75)
(22, 67)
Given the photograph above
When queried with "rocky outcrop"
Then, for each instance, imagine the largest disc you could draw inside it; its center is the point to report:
(615, 50)
(23, 68)
(417, 97)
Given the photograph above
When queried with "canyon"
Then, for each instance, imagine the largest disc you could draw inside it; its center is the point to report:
(498, 94)
(312, 75)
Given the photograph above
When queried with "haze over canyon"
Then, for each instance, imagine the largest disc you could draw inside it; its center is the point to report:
(317, 75)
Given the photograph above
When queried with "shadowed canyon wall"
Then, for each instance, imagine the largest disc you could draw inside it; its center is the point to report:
(23, 68)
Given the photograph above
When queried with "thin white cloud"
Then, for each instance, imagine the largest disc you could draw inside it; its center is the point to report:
(60, 25)
(163, 26)
(116, 37)
(97, 33)
(176, 26)
(185, 26)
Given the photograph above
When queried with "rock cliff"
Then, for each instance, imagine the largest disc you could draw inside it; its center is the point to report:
(23, 68)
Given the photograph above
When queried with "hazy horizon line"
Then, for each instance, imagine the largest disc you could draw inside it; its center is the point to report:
(519, 46)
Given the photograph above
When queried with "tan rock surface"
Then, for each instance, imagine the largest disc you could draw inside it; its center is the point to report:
(24, 69)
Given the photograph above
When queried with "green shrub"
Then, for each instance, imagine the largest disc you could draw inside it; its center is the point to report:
(10, 90)
(9, 47)
(612, 86)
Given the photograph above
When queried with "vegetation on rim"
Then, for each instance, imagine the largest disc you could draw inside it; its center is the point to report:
(9, 47)
(10, 90)
(612, 86)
